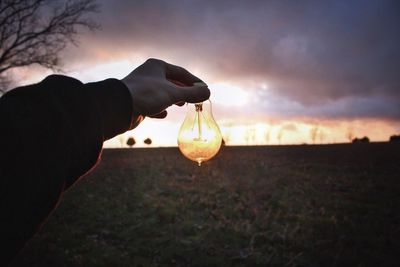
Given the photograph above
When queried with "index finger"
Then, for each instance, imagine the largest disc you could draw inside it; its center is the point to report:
(191, 94)
(179, 74)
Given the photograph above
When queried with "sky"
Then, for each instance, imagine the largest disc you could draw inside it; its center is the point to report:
(280, 72)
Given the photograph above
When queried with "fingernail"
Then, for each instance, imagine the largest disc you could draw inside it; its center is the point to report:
(201, 84)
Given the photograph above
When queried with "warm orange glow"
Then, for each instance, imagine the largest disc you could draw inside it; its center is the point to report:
(303, 131)
(199, 138)
(232, 101)
(298, 131)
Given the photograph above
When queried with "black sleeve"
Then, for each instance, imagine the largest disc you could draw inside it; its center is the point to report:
(51, 133)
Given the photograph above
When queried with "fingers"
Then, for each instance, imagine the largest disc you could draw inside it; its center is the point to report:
(152, 66)
(191, 94)
(177, 82)
(174, 73)
(160, 115)
(182, 86)
(180, 103)
(199, 95)
(179, 74)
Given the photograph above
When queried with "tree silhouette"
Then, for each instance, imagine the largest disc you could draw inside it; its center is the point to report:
(147, 141)
(131, 141)
(267, 135)
(36, 31)
(279, 136)
(314, 133)
(394, 138)
(321, 135)
(228, 132)
(252, 135)
(227, 137)
(363, 140)
(350, 134)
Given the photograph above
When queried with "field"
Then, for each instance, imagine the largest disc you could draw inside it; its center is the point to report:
(310, 205)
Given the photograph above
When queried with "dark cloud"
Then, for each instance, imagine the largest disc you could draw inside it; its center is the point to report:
(335, 58)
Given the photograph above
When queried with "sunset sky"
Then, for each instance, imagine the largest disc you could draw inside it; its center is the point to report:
(279, 71)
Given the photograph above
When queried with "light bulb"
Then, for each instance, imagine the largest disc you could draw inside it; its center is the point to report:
(199, 137)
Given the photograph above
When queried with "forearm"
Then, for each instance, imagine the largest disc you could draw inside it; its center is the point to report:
(51, 134)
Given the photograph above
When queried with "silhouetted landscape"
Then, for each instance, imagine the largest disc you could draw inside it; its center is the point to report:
(316, 73)
(310, 205)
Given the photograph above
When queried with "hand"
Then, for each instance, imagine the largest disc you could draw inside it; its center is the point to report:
(155, 85)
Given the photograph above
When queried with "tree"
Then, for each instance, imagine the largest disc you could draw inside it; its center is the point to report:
(350, 134)
(228, 133)
(280, 135)
(36, 31)
(131, 141)
(267, 135)
(314, 133)
(147, 141)
(252, 135)
(394, 138)
(321, 136)
(226, 138)
(363, 140)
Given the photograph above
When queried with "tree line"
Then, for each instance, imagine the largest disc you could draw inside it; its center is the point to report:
(131, 141)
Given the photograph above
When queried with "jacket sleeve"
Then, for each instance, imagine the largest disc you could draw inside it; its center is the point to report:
(51, 133)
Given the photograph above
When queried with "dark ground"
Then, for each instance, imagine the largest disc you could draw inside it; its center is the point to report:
(333, 205)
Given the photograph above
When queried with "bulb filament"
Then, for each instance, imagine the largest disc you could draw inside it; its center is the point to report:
(199, 109)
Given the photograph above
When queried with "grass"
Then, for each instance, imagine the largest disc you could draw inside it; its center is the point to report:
(333, 205)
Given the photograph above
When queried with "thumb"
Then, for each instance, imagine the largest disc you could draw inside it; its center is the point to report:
(192, 94)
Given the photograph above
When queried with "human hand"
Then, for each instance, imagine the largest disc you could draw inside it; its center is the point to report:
(155, 85)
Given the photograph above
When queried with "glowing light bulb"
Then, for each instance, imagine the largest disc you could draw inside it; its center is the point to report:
(199, 137)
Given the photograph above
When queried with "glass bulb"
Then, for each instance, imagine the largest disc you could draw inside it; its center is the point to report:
(199, 137)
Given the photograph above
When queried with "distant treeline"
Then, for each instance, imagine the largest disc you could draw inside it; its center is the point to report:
(365, 139)
(394, 138)
(356, 140)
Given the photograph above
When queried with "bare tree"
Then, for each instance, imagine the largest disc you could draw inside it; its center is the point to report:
(252, 135)
(279, 136)
(227, 137)
(36, 31)
(267, 135)
(321, 136)
(227, 134)
(314, 133)
(350, 134)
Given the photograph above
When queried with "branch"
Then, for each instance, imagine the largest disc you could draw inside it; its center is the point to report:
(20, 15)
(7, 23)
(25, 39)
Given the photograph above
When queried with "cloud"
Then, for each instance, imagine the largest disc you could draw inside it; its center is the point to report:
(319, 58)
